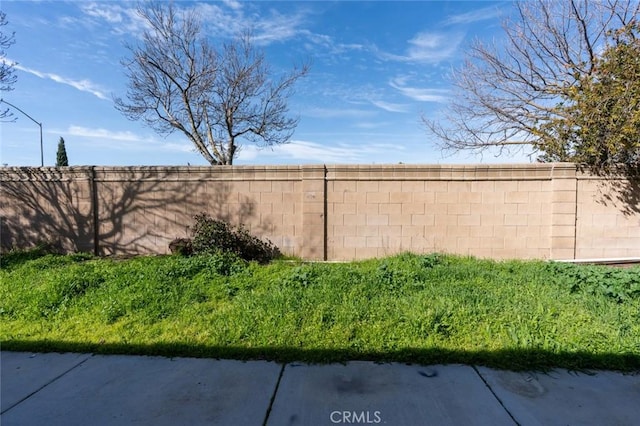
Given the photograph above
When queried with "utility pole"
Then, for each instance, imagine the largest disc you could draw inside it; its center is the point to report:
(32, 119)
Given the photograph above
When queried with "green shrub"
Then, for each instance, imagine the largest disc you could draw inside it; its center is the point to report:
(181, 246)
(221, 263)
(619, 284)
(212, 235)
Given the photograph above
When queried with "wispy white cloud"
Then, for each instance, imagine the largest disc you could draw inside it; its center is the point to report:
(110, 13)
(418, 93)
(221, 19)
(121, 19)
(325, 45)
(100, 133)
(312, 152)
(82, 85)
(233, 4)
(124, 140)
(337, 113)
(178, 147)
(390, 107)
(428, 47)
(371, 125)
(478, 15)
(297, 151)
(278, 27)
(225, 19)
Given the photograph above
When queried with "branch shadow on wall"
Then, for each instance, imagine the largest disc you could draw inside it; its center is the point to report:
(623, 194)
(40, 207)
(137, 213)
(147, 212)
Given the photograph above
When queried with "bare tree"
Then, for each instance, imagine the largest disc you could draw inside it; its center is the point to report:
(215, 96)
(7, 76)
(506, 94)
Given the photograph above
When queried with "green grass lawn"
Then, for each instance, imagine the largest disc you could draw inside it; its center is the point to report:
(406, 308)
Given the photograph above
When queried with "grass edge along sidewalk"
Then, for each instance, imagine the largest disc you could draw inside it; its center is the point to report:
(405, 308)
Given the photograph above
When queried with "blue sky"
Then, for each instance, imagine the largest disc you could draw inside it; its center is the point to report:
(376, 68)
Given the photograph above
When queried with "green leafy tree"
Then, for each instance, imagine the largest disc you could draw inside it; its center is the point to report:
(598, 124)
(61, 155)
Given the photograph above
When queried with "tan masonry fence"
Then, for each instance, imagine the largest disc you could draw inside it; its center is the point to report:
(333, 212)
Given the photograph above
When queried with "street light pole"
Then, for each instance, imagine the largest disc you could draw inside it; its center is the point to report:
(32, 119)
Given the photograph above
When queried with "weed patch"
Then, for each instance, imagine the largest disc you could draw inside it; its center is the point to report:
(409, 308)
(616, 283)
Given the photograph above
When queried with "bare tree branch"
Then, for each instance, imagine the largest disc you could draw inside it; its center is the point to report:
(216, 97)
(505, 94)
(7, 75)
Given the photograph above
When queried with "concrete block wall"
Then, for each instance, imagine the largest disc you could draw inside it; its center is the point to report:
(142, 209)
(607, 218)
(52, 205)
(545, 211)
(496, 212)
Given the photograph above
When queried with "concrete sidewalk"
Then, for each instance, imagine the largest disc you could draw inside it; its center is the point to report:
(84, 389)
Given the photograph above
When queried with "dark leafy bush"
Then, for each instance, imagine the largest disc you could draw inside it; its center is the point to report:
(181, 246)
(212, 235)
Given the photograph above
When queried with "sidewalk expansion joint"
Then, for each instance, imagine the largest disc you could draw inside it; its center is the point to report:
(273, 397)
(495, 395)
(47, 384)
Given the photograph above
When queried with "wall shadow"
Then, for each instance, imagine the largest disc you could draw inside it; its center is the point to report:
(618, 187)
(134, 209)
(622, 194)
(146, 212)
(507, 359)
(128, 213)
(40, 207)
